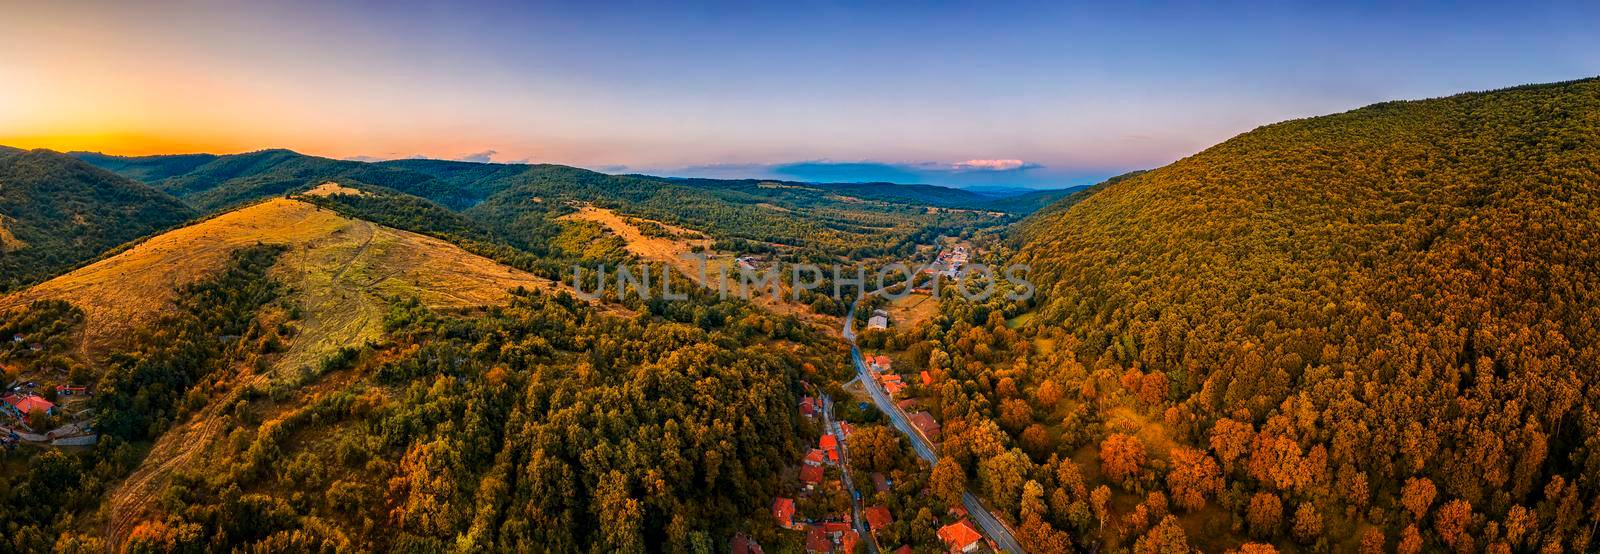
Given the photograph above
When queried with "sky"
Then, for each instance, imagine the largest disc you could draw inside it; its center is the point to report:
(1038, 95)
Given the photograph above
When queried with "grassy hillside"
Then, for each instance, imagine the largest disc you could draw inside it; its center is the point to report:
(57, 212)
(1374, 328)
(343, 267)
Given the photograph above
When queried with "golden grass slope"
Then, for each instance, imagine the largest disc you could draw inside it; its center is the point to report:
(340, 268)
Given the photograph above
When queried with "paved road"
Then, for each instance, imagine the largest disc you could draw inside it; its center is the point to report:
(992, 527)
(832, 427)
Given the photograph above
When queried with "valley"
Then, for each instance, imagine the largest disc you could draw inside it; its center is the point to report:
(1368, 331)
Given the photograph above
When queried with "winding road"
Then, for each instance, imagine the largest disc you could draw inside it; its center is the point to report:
(992, 527)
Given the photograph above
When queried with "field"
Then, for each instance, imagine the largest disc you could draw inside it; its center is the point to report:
(912, 309)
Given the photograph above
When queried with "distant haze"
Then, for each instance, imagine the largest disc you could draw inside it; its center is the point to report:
(988, 94)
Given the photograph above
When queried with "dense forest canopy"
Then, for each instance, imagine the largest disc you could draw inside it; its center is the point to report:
(1375, 329)
(57, 212)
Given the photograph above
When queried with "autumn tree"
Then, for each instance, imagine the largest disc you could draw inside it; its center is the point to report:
(1121, 457)
(1307, 524)
(1372, 541)
(1194, 477)
(1265, 515)
(948, 482)
(1230, 439)
(1417, 495)
(1410, 541)
(1165, 538)
(1451, 523)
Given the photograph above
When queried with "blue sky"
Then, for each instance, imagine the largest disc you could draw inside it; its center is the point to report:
(995, 93)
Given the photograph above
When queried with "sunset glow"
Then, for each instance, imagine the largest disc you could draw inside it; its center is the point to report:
(731, 90)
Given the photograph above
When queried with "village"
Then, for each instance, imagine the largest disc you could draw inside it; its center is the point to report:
(42, 414)
(864, 519)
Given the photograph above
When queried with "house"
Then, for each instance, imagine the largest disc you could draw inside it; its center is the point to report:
(69, 390)
(880, 482)
(811, 476)
(894, 388)
(960, 536)
(19, 337)
(21, 405)
(743, 544)
(847, 543)
(927, 378)
(808, 406)
(904, 549)
(845, 429)
(830, 446)
(815, 457)
(783, 511)
(878, 321)
(883, 362)
(877, 517)
(817, 541)
(925, 422)
(841, 533)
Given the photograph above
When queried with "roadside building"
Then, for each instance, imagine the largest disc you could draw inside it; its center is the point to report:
(927, 378)
(877, 518)
(815, 457)
(960, 536)
(925, 422)
(811, 476)
(817, 541)
(830, 446)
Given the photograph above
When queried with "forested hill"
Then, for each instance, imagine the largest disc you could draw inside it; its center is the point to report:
(1402, 293)
(57, 211)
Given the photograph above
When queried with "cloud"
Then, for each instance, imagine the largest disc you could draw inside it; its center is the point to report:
(367, 159)
(480, 157)
(996, 165)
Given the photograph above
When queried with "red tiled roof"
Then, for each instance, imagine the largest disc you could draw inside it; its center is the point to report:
(814, 457)
(878, 517)
(927, 378)
(743, 544)
(894, 388)
(959, 535)
(846, 429)
(817, 541)
(880, 482)
(783, 510)
(811, 475)
(848, 543)
(828, 441)
(904, 549)
(883, 361)
(28, 403)
(926, 423)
